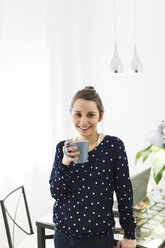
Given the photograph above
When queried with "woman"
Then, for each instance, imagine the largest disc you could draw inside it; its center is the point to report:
(83, 213)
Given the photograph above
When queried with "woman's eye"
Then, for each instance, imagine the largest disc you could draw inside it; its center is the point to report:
(90, 114)
(78, 115)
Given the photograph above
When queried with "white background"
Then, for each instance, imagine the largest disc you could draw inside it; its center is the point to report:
(49, 49)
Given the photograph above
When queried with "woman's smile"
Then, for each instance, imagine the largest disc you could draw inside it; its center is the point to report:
(85, 116)
(84, 129)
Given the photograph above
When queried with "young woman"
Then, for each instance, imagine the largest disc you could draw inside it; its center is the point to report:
(82, 213)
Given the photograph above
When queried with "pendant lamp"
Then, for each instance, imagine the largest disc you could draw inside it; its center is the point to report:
(136, 65)
(155, 137)
(116, 65)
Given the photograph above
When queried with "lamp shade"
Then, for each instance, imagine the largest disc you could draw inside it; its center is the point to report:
(136, 65)
(116, 64)
(155, 137)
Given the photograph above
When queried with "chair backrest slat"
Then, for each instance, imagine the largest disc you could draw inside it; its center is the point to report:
(6, 224)
(6, 214)
(27, 211)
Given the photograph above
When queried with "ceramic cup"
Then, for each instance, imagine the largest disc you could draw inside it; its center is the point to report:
(83, 147)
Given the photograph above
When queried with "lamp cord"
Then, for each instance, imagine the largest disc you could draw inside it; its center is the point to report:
(114, 8)
(135, 21)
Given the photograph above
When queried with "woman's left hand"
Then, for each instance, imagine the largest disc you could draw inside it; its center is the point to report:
(127, 243)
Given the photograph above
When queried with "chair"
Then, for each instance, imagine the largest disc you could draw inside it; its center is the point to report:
(16, 217)
(12, 218)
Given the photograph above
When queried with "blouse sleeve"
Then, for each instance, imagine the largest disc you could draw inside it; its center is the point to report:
(124, 192)
(59, 178)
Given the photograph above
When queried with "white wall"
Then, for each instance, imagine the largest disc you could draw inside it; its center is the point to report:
(49, 49)
(25, 106)
(85, 30)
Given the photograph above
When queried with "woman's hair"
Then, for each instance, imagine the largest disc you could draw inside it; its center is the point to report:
(89, 94)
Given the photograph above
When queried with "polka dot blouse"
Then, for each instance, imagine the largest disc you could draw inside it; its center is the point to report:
(84, 192)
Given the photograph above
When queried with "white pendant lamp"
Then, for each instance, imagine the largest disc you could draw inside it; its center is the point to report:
(136, 65)
(156, 136)
(116, 64)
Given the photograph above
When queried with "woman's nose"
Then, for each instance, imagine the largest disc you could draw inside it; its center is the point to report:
(84, 121)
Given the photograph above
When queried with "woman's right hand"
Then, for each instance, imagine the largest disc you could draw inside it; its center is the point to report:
(70, 151)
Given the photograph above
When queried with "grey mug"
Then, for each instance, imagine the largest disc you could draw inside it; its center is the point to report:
(83, 147)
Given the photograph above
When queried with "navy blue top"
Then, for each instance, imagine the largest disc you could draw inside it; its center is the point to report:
(84, 192)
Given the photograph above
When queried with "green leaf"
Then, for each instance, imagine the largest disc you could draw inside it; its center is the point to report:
(154, 148)
(145, 157)
(138, 156)
(158, 176)
(159, 164)
(143, 153)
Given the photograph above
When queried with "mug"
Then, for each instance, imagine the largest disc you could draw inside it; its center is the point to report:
(83, 147)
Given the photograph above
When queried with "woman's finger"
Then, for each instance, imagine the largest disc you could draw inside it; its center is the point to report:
(71, 154)
(71, 148)
(67, 142)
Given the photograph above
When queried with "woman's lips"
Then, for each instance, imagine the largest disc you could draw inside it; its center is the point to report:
(84, 128)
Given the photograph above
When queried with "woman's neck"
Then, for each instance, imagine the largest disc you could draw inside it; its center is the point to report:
(92, 139)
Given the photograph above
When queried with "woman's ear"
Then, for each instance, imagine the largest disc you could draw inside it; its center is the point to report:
(101, 115)
(70, 112)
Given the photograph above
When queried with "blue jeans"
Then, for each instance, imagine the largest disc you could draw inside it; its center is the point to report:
(61, 240)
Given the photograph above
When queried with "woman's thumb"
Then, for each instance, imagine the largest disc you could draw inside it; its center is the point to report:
(118, 244)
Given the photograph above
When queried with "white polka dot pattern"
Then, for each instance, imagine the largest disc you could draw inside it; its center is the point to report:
(84, 192)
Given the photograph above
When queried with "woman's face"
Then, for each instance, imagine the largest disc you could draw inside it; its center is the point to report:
(85, 116)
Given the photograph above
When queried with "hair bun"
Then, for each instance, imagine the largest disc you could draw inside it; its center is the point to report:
(89, 88)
